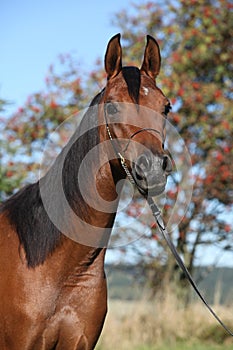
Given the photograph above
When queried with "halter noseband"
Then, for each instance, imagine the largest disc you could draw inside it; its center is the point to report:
(119, 154)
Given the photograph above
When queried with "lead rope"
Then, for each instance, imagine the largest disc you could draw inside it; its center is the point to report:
(157, 215)
(159, 220)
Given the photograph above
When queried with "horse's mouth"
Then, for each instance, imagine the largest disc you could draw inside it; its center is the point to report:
(150, 189)
(156, 190)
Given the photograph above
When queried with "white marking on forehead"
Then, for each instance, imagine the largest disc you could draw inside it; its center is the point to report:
(146, 90)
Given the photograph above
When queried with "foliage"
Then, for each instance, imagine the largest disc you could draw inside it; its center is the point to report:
(26, 132)
(8, 175)
(196, 75)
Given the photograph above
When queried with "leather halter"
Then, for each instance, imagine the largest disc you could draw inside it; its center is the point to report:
(159, 220)
(119, 154)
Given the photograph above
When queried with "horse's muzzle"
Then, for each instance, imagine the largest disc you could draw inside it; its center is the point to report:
(150, 173)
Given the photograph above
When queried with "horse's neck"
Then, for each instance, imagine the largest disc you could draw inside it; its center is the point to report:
(89, 220)
(102, 206)
(77, 258)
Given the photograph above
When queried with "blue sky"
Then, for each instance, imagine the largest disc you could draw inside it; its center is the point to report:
(34, 33)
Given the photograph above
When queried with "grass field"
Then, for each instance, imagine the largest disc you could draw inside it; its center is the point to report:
(187, 346)
(179, 346)
(164, 324)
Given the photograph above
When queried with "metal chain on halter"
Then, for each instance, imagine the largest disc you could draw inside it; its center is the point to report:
(162, 228)
(126, 169)
(122, 159)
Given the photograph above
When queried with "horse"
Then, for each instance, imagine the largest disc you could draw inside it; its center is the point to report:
(53, 292)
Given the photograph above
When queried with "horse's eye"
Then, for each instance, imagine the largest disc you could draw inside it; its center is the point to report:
(111, 109)
(167, 109)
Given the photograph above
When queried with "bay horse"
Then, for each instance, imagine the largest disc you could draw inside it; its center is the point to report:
(53, 291)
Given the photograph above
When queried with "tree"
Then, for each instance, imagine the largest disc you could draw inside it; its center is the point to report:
(196, 46)
(9, 179)
(25, 133)
(197, 75)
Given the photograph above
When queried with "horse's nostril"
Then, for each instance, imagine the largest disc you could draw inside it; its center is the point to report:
(167, 164)
(144, 162)
(152, 166)
(142, 166)
(164, 164)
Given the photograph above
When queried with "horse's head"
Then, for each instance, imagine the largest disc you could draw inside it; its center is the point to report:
(134, 111)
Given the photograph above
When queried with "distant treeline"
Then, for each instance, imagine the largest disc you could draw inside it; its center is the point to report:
(128, 283)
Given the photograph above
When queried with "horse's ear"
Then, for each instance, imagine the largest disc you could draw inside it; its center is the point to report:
(113, 57)
(152, 59)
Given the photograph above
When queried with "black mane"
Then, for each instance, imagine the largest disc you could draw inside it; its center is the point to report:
(25, 210)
